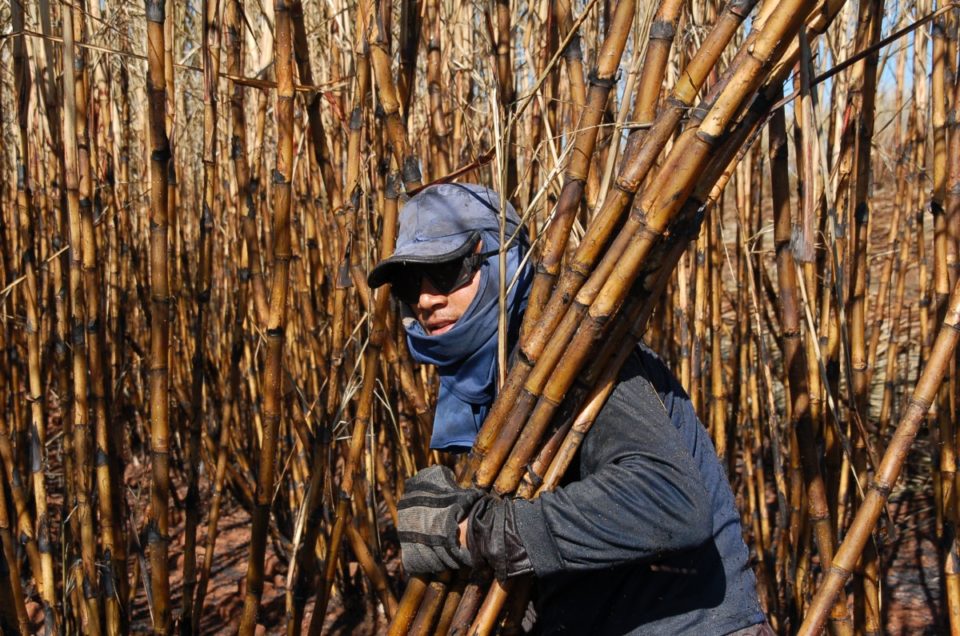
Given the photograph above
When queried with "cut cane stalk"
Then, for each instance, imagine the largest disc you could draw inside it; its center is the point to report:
(277, 318)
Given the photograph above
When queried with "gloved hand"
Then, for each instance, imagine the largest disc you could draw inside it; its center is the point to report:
(493, 538)
(428, 513)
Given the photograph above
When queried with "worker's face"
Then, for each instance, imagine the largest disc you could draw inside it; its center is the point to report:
(438, 311)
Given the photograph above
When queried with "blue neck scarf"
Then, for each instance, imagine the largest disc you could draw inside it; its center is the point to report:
(466, 355)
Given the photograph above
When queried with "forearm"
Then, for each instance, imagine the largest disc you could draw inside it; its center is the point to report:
(631, 512)
(612, 519)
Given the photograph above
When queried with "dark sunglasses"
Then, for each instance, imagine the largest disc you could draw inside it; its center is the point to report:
(445, 277)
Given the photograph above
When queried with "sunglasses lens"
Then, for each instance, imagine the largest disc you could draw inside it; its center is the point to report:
(445, 278)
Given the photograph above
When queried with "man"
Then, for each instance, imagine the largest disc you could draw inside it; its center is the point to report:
(645, 537)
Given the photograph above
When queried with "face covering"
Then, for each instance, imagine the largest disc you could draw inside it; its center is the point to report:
(466, 355)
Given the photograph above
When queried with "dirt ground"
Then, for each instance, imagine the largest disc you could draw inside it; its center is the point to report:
(224, 602)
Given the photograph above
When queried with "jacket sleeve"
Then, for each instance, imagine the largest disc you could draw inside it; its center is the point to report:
(640, 496)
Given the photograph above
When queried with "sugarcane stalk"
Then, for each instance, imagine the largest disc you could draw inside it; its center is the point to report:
(373, 569)
(158, 525)
(18, 495)
(389, 100)
(662, 32)
(864, 95)
(312, 509)
(945, 276)
(410, 175)
(110, 439)
(440, 159)
(952, 195)
(938, 96)
(61, 309)
(277, 319)
(506, 90)
(886, 406)
(789, 315)
(700, 291)
(801, 363)
(301, 574)
(921, 95)
(432, 603)
(755, 484)
(763, 364)
(410, 25)
(810, 220)
(486, 619)
(887, 274)
(317, 133)
(74, 94)
(573, 57)
(411, 602)
(38, 425)
(344, 219)
(544, 39)
(223, 446)
(888, 470)
(451, 603)
(602, 80)
(10, 566)
(201, 291)
(718, 394)
(246, 237)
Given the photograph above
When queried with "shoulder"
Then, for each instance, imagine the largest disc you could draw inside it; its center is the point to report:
(644, 375)
(656, 370)
(633, 420)
(636, 390)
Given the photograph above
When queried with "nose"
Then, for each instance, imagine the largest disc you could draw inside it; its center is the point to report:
(430, 298)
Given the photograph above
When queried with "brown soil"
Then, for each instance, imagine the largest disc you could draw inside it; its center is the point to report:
(224, 602)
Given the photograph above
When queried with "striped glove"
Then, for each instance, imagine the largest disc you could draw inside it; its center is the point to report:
(428, 513)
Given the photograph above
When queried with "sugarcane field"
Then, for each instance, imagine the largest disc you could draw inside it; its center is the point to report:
(418, 317)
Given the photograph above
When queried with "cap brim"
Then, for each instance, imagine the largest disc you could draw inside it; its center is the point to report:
(423, 253)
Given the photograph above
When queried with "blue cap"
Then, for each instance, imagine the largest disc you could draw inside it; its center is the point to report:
(442, 223)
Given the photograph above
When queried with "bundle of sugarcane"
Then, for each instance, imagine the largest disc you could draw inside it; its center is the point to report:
(611, 283)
